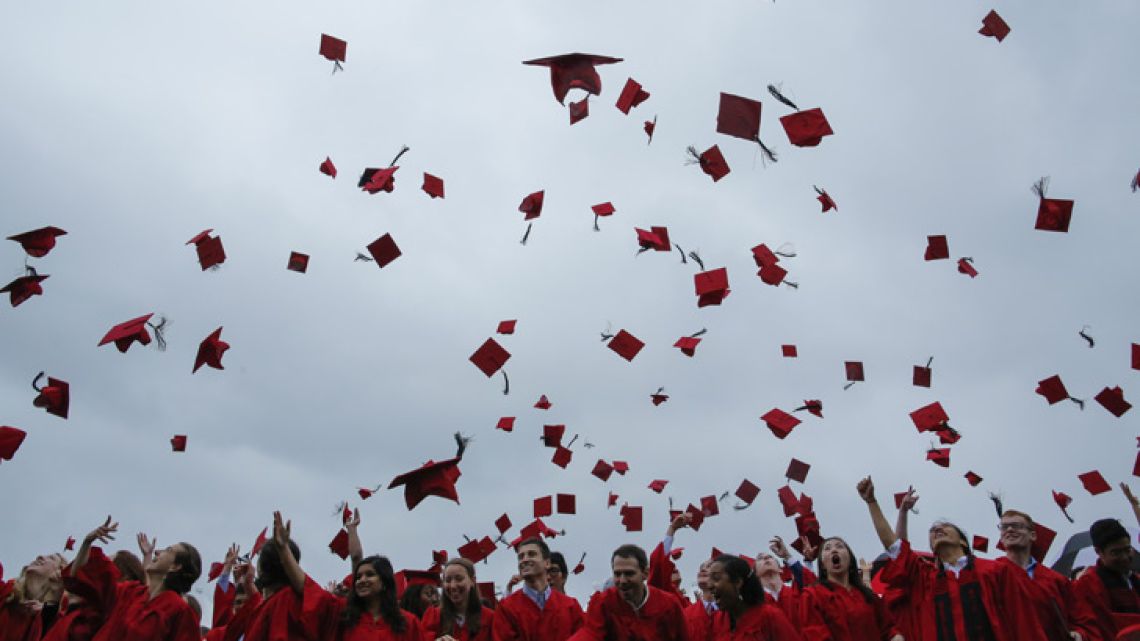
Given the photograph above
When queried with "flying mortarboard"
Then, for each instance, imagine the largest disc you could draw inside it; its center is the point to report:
(712, 162)
(543, 506)
(1054, 391)
(24, 287)
(374, 180)
(503, 523)
(687, 345)
(210, 351)
(966, 266)
(506, 423)
(1112, 399)
(573, 71)
(552, 435)
(612, 500)
(433, 186)
(826, 202)
(813, 406)
(1053, 214)
(124, 334)
(621, 467)
(566, 503)
(210, 250)
(659, 397)
(432, 479)
(973, 479)
(298, 262)
(1063, 501)
(581, 567)
(747, 492)
(709, 506)
(631, 518)
(780, 422)
(740, 117)
(259, 542)
(38, 242)
(178, 443)
(562, 457)
(711, 286)
(328, 168)
(334, 50)
(993, 26)
(789, 351)
(366, 492)
(922, 374)
(631, 96)
(658, 485)
(939, 456)
(1135, 356)
(651, 125)
(10, 440)
(602, 470)
(490, 358)
(506, 327)
(602, 209)
(543, 403)
(579, 110)
(1094, 482)
(626, 345)
(657, 238)
(804, 128)
(55, 397)
(937, 248)
(929, 417)
(384, 250)
(854, 372)
(981, 543)
(339, 544)
(797, 470)
(531, 206)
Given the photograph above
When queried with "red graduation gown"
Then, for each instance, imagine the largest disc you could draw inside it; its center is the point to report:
(518, 618)
(610, 618)
(288, 616)
(237, 622)
(699, 621)
(661, 574)
(135, 616)
(431, 626)
(764, 622)
(796, 604)
(369, 629)
(1092, 593)
(84, 614)
(17, 621)
(849, 617)
(1057, 609)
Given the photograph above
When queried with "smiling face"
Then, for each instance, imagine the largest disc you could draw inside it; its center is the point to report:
(1016, 532)
(703, 576)
(1117, 555)
(457, 585)
(366, 582)
(835, 557)
(531, 563)
(629, 579)
(724, 590)
(945, 535)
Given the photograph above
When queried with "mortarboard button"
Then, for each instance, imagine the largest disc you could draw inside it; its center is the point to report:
(506, 327)
(552, 435)
(543, 506)
(543, 403)
(650, 126)
(602, 470)
(711, 286)
(939, 456)
(562, 457)
(747, 492)
(573, 71)
(210, 250)
(929, 418)
(1094, 482)
(24, 287)
(433, 186)
(937, 248)
(789, 351)
(973, 479)
(38, 242)
(10, 440)
(506, 423)
(503, 523)
(339, 544)
(658, 485)
(124, 334)
(981, 543)
(1112, 399)
(780, 422)
(55, 397)
(328, 168)
(712, 162)
(490, 357)
(531, 206)
(566, 503)
(178, 443)
(298, 262)
(210, 351)
(626, 345)
(993, 26)
(384, 250)
(797, 470)
(826, 202)
(631, 96)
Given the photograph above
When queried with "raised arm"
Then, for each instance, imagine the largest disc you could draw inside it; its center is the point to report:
(355, 549)
(146, 547)
(866, 489)
(1132, 500)
(292, 569)
(682, 520)
(104, 534)
(908, 502)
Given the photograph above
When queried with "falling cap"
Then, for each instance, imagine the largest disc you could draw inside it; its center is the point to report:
(38, 242)
(210, 250)
(24, 287)
(712, 162)
(210, 351)
(433, 185)
(432, 479)
(10, 440)
(626, 345)
(178, 443)
(797, 470)
(1112, 399)
(124, 334)
(631, 96)
(573, 71)
(55, 397)
(994, 27)
(334, 49)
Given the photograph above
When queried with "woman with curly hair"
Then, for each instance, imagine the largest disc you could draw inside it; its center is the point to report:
(461, 615)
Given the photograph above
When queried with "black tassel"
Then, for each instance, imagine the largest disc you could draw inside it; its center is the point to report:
(1136, 182)
(845, 387)
(1065, 511)
(997, 504)
(362, 257)
(336, 67)
(572, 441)
(1088, 338)
(697, 259)
(461, 443)
(700, 333)
(506, 382)
(768, 153)
(1041, 186)
(659, 390)
(588, 445)
(929, 361)
(1080, 403)
(791, 284)
(781, 97)
(606, 337)
(526, 235)
(684, 261)
(403, 150)
(582, 560)
(29, 270)
(694, 157)
(741, 506)
(160, 333)
(818, 406)
(785, 254)
(37, 380)
(596, 228)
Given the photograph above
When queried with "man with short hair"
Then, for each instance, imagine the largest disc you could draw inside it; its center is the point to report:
(537, 612)
(1060, 615)
(632, 610)
(1111, 590)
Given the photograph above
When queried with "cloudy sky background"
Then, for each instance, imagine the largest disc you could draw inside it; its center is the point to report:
(136, 126)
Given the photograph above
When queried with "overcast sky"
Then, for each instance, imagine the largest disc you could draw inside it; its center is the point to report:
(136, 126)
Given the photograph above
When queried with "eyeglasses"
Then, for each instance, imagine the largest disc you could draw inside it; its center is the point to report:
(1016, 527)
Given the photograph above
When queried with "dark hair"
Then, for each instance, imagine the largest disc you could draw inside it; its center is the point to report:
(389, 609)
(187, 557)
(556, 558)
(631, 551)
(964, 540)
(854, 576)
(130, 567)
(1105, 532)
(534, 540)
(737, 569)
(195, 606)
(413, 599)
(472, 611)
(270, 570)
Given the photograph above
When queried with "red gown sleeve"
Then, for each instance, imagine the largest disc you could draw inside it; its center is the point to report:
(95, 582)
(776, 626)
(318, 611)
(506, 625)
(593, 626)
(223, 604)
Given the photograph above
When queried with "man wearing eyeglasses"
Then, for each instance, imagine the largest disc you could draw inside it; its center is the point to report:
(1111, 589)
(1061, 616)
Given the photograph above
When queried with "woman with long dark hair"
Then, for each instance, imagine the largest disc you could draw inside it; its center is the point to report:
(743, 614)
(847, 606)
(371, 612)
(461, 615)
(418, 598)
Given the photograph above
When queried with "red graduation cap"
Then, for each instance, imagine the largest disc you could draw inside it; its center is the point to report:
(921, 376)
(259, 542)
(543, 506)
(947, 435)
(506, 327)
(124, 334)
(366, 492)
(486, 547)
(650, 126)
(709, 506)
(1045, 536)
(602, 209)
(298, 262)
(621, 467)
(10, 440)
(543, 403)
(1112, 399)
(1063, 501)
(374, 180)
(210, 351)
(658, 485)
(1053, 214)
(658, 398)
(566, 503)
(826, 202)
(780, 422)
(339, 544)
(1094, 482)
(899, 496)
(696, 517)
(929, 417)
(789, 351)
(738, 116)
(579, 110)
(973, 479)
(687, 344)
(631, 96)
(772, 274)
(966, 266)
(631, 517)
(626, 345)
(69, 544)
(939, 456)
(712, 286)
(581, 567)
(602, 470)
(1052, 389)
(993, 26)
(612, 500)
(806, 128)
(1135, 356)
(487, 592)
(747, 492)
(438, 557)
(712, 162)
(178, 443)
(937, 248)
(503, 523)
(432, 479)
(764, 256)
(333, 49)
(657, 238)
(210, 250)
(506, 423)
(562, 457)
(215, 571)
(384, 250)
(433, 186)
(981, 543)
(813, 406)
(854, 370)
(531, 206)
(490, 357)
(24, 288)
(1136, 465)
(797, 470)
(38, 242)
(407, 578)
(573, 71)
(328, 168)
(552, 435)
(55, 397)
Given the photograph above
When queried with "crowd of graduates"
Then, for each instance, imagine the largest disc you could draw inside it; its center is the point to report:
(946, 594)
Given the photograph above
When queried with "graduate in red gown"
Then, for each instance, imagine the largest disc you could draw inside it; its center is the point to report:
(295, 607)
(1110, 589)
(1062, 616)
(699, 615)
(371, 612)
(632, 610)
(849, 609)
(743, 613)
(29, 603)
(461, 615)
(961, 598)
(536, 612)
(134, 611)
(793, 600)
(234, 605)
